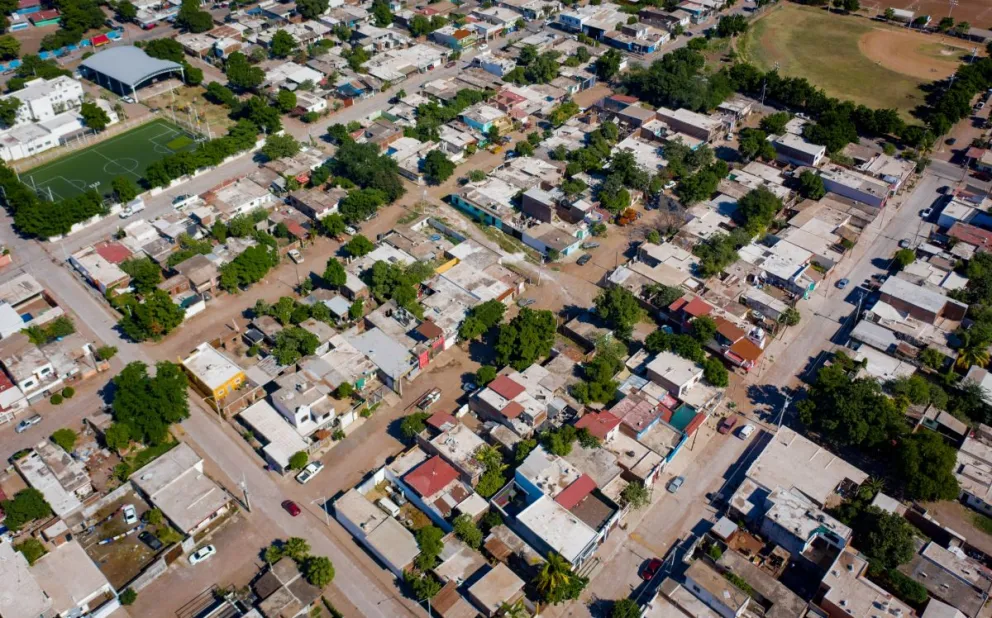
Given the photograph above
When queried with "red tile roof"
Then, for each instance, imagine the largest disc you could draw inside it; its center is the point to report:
(624, 98)
(113, 252)
(598, 424)
(697, 307)
(728, 329)
(429, 330)
(576, 492)
(505, 387)
(438, 420)
(23, 4)
(512, 410)
(44, 15)
(969, 234)
(431, 476)
(747, 349)
(694, 424)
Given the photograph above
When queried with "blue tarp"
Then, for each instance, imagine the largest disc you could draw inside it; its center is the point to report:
(84, 43)
(45, 55)
(14, 64)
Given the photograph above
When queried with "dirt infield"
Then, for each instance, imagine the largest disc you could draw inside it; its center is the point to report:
(978, 13)
(924, 57)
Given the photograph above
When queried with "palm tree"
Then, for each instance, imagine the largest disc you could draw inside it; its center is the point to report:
(972, 352)
(555, 574)
(872, 486)
(515, 610)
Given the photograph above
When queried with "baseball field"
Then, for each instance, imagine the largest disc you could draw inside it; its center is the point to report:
(851, 57)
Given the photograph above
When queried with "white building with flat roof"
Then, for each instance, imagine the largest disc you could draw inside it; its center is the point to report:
(553, 527)
(43, 99)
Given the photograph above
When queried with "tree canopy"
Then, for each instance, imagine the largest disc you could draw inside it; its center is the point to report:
(149, 405)
(526, 338)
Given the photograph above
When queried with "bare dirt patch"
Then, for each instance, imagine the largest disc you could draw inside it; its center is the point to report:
(911, 53)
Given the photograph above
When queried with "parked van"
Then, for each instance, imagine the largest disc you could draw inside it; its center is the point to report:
(388, 506)
(132, 208)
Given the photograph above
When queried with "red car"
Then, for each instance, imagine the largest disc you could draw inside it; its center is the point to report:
(291, 507)
(727, 424)
(651, 569)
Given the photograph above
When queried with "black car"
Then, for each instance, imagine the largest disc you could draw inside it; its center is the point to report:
(582, 261)
(149, 539)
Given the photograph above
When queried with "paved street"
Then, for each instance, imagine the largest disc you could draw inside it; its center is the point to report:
(354, 578)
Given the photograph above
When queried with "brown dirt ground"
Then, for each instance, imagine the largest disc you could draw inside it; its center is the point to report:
(901, 51)
(976, 12)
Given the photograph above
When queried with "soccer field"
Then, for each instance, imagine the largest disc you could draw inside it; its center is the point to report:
(128, 154)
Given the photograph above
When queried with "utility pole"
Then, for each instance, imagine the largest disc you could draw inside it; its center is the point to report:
(785, 405)
(244, 490)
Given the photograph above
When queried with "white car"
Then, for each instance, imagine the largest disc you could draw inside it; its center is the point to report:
(202, 554)
(670, 185)
(745, 432)
(296, 256)
(483, 47)
(350, 230)
(306, 474)
(130, 515)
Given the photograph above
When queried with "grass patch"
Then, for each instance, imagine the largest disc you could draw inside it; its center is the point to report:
(982, 522)
(146, 455)
(824, 48)
(179, 143)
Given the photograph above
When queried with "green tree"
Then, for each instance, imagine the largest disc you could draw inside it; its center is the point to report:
(429, 540)
(32, 549)
(926, 464)
(192, 18)
(311, 9)
(26, 506)
(932, 358)
(620, 309)
(283, 44)
(279, 146)
(128, 596)
(715, 373)
(702, 329)
(124, 189)
(333, 225)
(299, 460)
(485, 374)
(790, 317)
(94, 117)
(904, 257)
(241, 74)
(625, 608)
(357, 309)
(466, 530)
(273, 554)
(145, 274)
(286, 101)
(8, 110)
(424, 586)
(318, 571)
(153, 318)
(635, 495)
(811, 185)
(437, 167)
(754, 143)
(359, 245)
(413, 424)
(106, 352)
(526, 338)
(147, 405)
(117, 436)
(774, 124)
(889, 14)
(65, 438)
(556, 583)
(334, 275)
(608, 65)
(294, 343)
(381, 14)
(10, 47)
